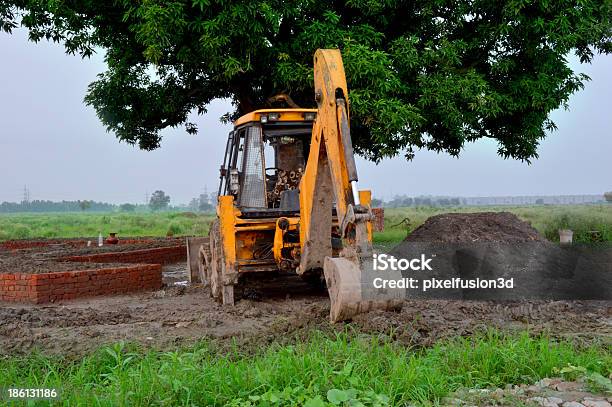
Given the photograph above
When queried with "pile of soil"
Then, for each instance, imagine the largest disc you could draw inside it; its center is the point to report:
(475, 227)
(493, 245)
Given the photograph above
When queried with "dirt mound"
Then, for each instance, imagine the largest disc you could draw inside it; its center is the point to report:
(466, 247)
(475, 227)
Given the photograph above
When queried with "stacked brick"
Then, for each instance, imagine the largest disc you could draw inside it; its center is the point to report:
(143, 271)
(48, 287)
(160, 255)
(30, 244)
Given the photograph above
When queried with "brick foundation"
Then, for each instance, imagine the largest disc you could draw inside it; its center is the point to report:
(144, 273)
(48, 287)
(31, 244)
(159, 255)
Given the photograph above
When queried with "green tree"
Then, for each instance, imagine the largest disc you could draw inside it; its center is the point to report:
(204, 204)
(159, 201)
(84, 205)
(422, 74)
(608, 196)
(127, 207)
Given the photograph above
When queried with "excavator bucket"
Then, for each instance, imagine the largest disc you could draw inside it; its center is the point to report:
(352, 291)
(330, 182)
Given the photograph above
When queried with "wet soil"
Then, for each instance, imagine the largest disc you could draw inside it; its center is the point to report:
(283, 311)
(491, 245)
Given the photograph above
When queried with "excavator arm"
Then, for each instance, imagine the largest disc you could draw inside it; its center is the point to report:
(330, 180)
(331, 175)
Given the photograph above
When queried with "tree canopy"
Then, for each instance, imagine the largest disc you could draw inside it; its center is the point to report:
(430, 74)
(159, 200)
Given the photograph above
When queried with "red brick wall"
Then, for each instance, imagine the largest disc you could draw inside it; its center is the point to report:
(47, 287)
(29, 244)
(160, 255)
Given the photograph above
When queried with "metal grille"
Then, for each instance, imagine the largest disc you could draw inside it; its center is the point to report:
(254, 186)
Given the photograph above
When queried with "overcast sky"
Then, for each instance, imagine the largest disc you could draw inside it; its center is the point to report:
(54, 144)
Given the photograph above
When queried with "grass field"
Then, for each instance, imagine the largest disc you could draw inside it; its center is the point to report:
(51, 225)
(343, 370)
(546, 219)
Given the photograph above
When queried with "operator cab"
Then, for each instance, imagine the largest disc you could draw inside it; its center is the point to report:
(265, 157)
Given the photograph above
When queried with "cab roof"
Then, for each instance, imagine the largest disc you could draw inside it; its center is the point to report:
(286, 115)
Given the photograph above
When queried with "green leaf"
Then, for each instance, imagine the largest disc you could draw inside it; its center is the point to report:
(421, 75)
(336, 396)
(315, 402)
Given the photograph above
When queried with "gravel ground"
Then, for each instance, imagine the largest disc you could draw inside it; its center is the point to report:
(549, 392)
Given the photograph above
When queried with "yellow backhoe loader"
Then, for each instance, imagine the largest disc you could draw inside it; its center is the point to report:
(288, 201)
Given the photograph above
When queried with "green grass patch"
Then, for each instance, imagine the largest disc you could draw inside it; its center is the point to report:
(67, 225)
(546, 219)
(341, 370)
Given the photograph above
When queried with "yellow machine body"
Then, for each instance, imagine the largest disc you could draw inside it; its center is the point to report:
(287, 199)
(239, 232)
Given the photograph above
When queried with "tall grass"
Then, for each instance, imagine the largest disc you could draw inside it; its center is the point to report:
(56, 225)
(323, 369)
(546, 219)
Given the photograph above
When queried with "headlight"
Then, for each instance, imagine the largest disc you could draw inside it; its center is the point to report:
(273, 116)
(263, 118)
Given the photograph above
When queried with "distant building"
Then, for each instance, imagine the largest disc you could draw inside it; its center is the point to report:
(534, 200)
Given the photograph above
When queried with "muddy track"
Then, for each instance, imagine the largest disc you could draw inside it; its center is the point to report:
(179, 316)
